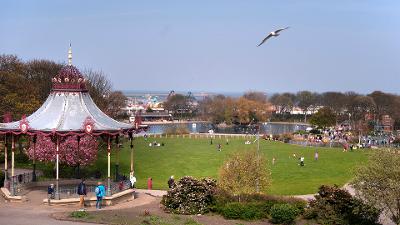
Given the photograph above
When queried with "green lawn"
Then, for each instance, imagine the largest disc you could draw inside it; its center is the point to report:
(196, 157)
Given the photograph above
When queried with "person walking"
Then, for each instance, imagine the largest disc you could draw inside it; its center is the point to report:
(50, 193)
(82, 194)
(150, 183)
(316, 156)
(171, 182)
(219, 147)
(100, 191)
(132, 179)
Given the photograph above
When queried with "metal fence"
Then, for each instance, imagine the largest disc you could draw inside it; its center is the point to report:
(18, 181)
(332, 144)
(68, 191)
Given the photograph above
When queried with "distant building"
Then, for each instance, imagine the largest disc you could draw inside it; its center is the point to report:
(387, 123)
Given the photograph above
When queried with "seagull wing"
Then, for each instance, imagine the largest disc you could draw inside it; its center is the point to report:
(265, 39)
(281, 29)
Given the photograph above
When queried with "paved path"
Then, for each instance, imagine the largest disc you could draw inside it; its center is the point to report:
(34, 212)
(20, 214)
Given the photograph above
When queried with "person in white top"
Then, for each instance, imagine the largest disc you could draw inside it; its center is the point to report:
(132, 179)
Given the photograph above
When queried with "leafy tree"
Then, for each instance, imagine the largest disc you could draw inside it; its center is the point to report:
(283, 102)
(385, 103)
(335, 101)
(178, 104)
(256, 96)
(325, 117)
(378, 182)
(39, 73)
(307, 101)
(243, 173)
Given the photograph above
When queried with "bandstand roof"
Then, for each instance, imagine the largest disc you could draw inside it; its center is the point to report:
(69, 109)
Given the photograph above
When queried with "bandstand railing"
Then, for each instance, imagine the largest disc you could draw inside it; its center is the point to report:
(18, 181)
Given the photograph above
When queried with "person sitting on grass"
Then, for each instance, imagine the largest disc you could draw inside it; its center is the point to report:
(302, 161)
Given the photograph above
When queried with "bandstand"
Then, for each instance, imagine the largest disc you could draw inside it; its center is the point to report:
(68, 111)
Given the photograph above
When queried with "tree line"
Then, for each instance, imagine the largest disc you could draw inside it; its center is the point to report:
(25, 85)
(358, 108)
(252, 107)
(362, 110)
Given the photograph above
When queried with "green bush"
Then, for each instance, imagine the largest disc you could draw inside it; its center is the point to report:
(254, 206)
(336, 206)
(179, 129)
(79, 214)
(21, 158)
(283, 213)
(190, 196)
(244, 211)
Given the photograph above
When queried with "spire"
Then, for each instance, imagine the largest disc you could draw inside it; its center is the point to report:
(70, 55)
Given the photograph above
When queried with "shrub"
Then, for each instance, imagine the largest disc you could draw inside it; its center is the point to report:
(240, 173)
(252, 206)
(179, 129)
(336, 206)
(79, 214)
(286, 138)
(21, 158)
(190, 196)
(283, 213)
(244, 211)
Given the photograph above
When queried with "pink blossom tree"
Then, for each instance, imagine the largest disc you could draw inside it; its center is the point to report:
(69, 151)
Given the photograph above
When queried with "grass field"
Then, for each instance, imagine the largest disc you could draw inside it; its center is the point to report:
(196, 157)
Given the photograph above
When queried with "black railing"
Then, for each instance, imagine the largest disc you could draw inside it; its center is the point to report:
(17, 181)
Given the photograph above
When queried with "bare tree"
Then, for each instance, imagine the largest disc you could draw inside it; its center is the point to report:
(99, 87)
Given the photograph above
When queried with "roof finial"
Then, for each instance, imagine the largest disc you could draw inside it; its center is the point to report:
(70, 55)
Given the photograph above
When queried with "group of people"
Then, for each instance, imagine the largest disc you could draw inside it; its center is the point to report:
(155, 144)
(100, 192)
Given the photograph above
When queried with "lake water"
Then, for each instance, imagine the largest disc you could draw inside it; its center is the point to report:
(203, 127)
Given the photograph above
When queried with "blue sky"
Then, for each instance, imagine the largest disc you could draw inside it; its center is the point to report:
(336, 45)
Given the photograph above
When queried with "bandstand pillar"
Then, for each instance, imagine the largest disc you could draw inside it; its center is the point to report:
(13, 179)
(109, 167)
(34, 159)
(117, 158)
(131, 140)
(5, 162)
(57, 194)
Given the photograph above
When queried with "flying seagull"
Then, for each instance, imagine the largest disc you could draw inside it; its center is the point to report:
(272, 34)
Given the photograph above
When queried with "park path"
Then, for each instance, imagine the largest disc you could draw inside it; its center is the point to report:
(32, 214)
